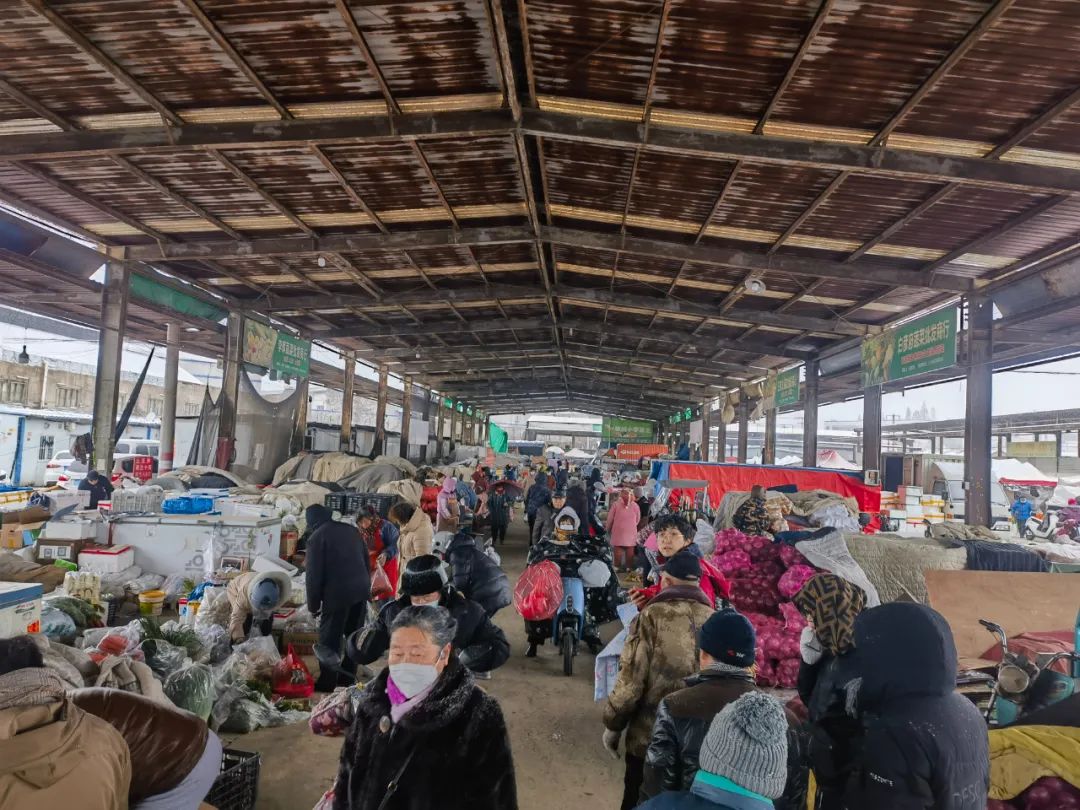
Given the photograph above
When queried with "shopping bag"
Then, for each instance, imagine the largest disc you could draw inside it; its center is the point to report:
(334, 714)
(292, 678)
(539, 591)
(380, 584)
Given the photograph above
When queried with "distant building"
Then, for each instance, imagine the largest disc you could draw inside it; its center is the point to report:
(60, 385)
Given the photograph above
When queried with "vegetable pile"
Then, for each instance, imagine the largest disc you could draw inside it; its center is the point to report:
(1048, 793)
(764, 577)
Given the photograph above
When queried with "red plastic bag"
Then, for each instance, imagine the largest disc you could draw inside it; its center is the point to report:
(539, 591)
(380, 584)
(292, 678)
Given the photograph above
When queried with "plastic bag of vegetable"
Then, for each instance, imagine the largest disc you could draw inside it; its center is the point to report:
(57, 625)
(793, 580)
(262, 654)
(291, 677)
(216, 642)
(162, 657)
(192, 688)
(81, 612)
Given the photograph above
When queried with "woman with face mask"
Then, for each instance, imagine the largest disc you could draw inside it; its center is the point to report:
(425, 736)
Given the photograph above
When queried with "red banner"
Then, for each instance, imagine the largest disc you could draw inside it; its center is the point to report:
(742, 477)
(636, 452)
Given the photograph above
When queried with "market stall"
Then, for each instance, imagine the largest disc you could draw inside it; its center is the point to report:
(725, 478)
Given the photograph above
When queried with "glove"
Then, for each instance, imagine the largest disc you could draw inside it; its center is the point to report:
(810, 646)
(611, 742)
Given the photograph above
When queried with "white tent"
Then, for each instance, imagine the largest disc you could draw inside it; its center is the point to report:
(554, 450)
(832, 460)
(578, 455)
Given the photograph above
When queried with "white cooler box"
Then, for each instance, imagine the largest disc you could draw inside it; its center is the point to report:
(70, 530)
(20, 608)
(106, 559)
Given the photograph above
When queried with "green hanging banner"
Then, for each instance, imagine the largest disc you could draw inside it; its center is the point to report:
(614, 429)
(787, 387)
(924, 344)
(498, 439)
(276, 351)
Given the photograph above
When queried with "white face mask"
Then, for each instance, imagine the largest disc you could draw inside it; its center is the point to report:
(412, 679)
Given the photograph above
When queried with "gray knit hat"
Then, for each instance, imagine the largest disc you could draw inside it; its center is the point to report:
(747, 743)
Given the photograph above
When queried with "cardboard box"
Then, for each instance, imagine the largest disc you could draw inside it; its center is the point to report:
(302, 643)
(51, 550)
(14, 522)
(20, 608)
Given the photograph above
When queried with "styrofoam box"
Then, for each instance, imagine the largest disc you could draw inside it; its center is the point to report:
(69, 530)
(108, 560)
(20, 608)
(274, 564)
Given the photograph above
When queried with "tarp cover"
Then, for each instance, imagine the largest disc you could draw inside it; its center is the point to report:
(723, 478)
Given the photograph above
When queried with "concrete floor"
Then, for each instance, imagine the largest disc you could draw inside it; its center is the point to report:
(554, 728)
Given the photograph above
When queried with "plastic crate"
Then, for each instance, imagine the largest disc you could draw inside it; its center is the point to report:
(187, 505)
(126, 500)
(238, 783)
(357, 502)
(335, 501)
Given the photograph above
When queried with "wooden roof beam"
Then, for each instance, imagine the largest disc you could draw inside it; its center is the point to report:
(793, 67)
(950, 61)
(234, 56)
(861, 159)
(80, 41)
(267, 197)
(343, 9)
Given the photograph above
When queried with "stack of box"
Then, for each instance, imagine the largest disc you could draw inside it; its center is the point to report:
(893, 506)
(910, 499)
(17, 526)
(933, 507)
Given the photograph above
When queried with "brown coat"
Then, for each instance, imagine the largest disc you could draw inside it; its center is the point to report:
(415, 538)
(57, 755)
(661, 651)
(170, 738)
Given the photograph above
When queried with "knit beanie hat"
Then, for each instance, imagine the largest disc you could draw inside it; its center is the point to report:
(747, 743)
(423, 575)
(729, 637)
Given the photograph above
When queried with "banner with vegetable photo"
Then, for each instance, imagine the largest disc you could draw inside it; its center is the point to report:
(924, 344)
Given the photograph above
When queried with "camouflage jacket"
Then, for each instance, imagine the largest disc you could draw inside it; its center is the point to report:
(661, 651)
(752, 517)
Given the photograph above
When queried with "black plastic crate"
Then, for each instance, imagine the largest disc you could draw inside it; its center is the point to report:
(357, 502)
(335, 501)
(238, 783)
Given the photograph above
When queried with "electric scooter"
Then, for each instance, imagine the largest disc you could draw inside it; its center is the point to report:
(1023, 687)
(1042, 527)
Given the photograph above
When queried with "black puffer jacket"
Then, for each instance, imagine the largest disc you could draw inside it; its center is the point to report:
(682, 720)
(481, 645)
(476, 575)
(821, 685)
(457, 740)
(921, 745)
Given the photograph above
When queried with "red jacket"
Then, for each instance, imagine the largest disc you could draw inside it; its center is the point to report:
(713, 583)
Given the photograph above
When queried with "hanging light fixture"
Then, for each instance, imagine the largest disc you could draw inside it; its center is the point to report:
(24, 357)
(321, 261)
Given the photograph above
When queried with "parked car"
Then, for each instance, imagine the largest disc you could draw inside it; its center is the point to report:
(57, 467)
(124, 455)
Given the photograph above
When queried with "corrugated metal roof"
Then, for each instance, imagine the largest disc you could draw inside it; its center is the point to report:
(934, 78)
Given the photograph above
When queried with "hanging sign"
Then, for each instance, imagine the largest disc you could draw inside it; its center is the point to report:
(275, 351)
(924, 344)
(787, 387)
(614, 429)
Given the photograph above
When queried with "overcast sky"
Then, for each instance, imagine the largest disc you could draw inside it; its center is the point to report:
(1051, 386)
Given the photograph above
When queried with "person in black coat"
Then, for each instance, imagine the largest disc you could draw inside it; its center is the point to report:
(920, 745)
(479, 644)
(99, 487)
(425, 736)
(338, 586)
(538, 496)
(476, 575)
